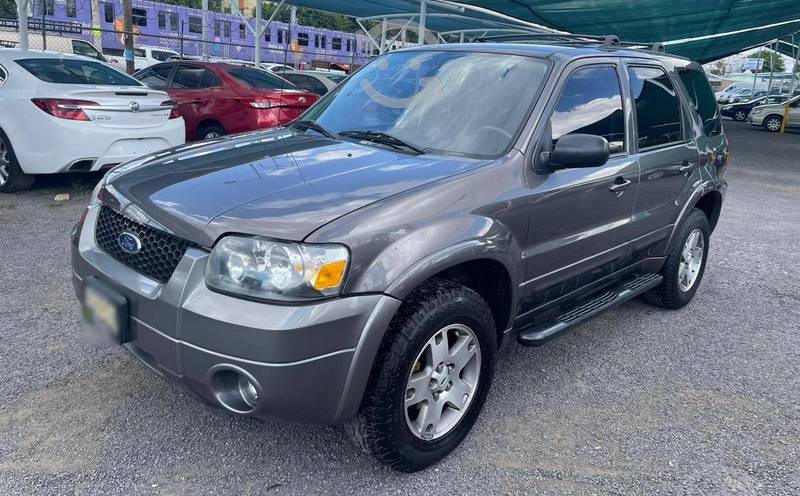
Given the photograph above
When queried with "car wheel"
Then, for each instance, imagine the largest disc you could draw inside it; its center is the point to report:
(12, 178)
(773, 123)
(430, 378)
(739, 115)
(210, 131)
(685, 264)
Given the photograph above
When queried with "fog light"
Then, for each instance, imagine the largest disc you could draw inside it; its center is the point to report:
(248, 391)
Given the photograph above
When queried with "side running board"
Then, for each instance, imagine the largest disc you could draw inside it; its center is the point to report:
(538, 334)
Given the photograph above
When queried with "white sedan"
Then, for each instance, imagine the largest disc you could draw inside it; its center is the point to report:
(63, 113)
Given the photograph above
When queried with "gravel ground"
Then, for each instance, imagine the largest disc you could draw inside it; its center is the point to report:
(705, 400)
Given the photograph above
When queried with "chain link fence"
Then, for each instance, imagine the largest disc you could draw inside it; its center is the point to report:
(185, 43)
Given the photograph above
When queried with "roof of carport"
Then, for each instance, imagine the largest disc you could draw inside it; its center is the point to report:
(703, 30)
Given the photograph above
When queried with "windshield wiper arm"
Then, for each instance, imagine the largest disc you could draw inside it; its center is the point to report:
(310, 124)
(382, 138)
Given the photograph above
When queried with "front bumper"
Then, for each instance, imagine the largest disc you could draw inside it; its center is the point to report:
(756, 119)
(310, 362)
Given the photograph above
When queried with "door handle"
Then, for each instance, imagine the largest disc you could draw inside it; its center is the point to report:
(686, 166)
(620, 185)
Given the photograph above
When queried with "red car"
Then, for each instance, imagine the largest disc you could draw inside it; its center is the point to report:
(218, 98)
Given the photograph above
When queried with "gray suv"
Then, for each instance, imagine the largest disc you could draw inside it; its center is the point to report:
(363, 265)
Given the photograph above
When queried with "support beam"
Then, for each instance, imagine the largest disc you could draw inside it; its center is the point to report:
(127, 15)
(369, 36)
(384, 25)
(257, 32)
(204, 48)
(423, 12)
(22, 18)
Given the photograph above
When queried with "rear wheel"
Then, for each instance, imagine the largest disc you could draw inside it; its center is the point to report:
(739, 115)
(685, 264)
(430, 378)
(210, 131)
(773, 123)
(11, 176)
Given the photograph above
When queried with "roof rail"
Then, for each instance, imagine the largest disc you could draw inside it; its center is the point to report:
(608, 41)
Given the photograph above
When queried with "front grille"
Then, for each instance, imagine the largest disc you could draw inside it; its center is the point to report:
(160, 252)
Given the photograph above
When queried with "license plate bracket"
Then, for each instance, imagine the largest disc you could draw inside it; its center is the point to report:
(105, 310)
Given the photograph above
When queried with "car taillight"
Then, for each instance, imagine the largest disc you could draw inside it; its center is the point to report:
(173, 113)
(63, 108)
(259, 103)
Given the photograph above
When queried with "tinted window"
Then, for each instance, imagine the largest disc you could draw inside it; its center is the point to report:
(108, 11)
(50, 5)
(162, 56)
(302, 39)
(85, 49)
(242, 31)
(189, 77)
(162, 20)
(258, 79)
(195, 24)
(458, 103)
(173, 22)
(702, 99)
(71, 8)
(139, 17)
(307, 83)
(336, 43)
(76, 72)
(155, 77)
(226, 29)
(658, 111)
(217, 26)
(591, 103)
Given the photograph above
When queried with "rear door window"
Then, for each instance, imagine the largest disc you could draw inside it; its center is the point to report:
(307, 83)
(258, 79)
(702, 99)
(190, 77)
(156, 77)
(658, 110)
(591, 103)
(76, 72)
(82, 48)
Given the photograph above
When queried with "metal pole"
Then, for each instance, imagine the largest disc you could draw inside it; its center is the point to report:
(22, 19)
(181, 35)
(423, 12)
(771, 67)
(353, 58)
(794, 66)
(204, 51)
(96, 33)
(44, 31)
(461, 38)
(384, 25)
(127, 11)
(258, 31)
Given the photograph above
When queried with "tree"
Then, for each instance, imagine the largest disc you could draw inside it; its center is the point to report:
(718, 68)
(770, 57)
(8, 9)
(312, 18)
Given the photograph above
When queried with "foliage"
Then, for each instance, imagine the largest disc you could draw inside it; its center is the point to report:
(313, 18)
(769, 57)
(8, 9)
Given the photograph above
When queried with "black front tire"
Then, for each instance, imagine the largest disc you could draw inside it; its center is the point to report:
(210, 131)
(12, 179)
(739, 115)
(669, 293)
(380, 427)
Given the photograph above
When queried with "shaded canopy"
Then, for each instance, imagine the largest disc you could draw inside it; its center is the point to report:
(703, 30)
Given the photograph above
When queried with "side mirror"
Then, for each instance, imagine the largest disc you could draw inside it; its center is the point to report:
(577, 150)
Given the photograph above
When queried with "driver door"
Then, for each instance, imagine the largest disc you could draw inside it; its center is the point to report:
(581, 217)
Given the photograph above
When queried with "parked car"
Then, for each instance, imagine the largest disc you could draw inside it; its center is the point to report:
(68, 113)
(740, 111)
(363, 265)
(316, 82)
(143, 56)
(219, 98)
(736, 95)
(55, 43)
(771, 116)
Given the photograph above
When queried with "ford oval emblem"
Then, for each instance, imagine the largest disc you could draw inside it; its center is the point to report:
(129, 243)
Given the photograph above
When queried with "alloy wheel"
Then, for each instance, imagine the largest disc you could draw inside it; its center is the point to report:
(5, 163)
(442, 382)
(740, 115)
(691, 260)
(773, 124)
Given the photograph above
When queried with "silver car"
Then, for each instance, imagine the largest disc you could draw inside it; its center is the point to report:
(771, 116)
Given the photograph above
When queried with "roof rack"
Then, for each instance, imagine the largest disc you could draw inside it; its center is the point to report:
(606, 41)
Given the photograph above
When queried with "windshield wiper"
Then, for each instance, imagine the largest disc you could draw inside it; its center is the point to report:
(309, 124)
(383, 139)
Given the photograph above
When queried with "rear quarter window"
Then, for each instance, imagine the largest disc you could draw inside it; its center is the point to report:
(63, 71)
(258, 79)
(702, 98)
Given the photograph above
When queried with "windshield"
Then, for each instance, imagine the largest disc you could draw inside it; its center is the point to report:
(463, 103)
(68, 71)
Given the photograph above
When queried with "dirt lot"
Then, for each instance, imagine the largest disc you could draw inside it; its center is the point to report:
(705, 400)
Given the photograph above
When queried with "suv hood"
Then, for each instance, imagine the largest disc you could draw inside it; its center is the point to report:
(279, 183)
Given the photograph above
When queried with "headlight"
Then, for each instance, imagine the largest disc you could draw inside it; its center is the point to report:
(726, 107)
(276, 270)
